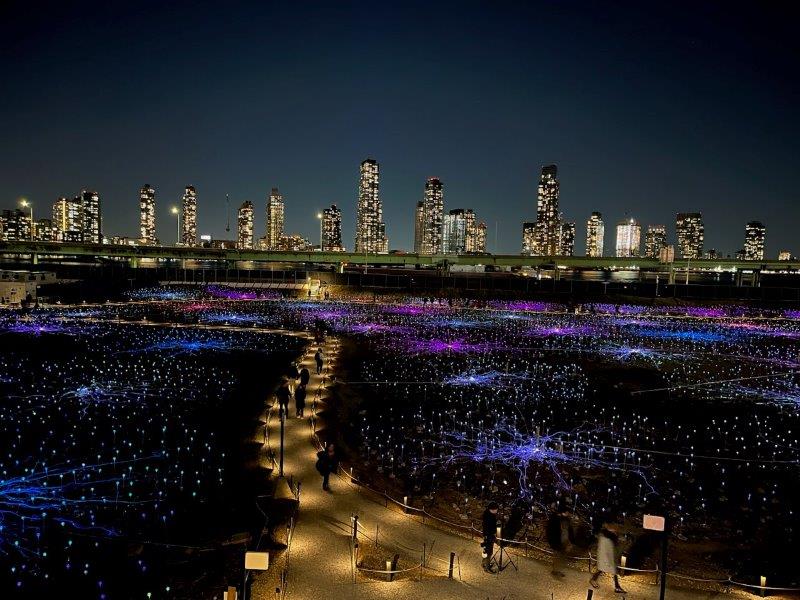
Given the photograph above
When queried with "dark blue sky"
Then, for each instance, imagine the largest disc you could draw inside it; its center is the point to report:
(648, 109)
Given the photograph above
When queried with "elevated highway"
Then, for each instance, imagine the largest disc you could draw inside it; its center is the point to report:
(134, 254)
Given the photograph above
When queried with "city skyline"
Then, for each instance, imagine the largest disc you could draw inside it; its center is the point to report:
(633, 131)
(549, 235)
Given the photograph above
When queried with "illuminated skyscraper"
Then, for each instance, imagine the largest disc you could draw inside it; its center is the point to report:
(332, 230)
(566, 239)
(275, 220)
(691, 233)
(189, 217)
(785, 255)
(419, 225)
(432, 216)
(91, 222)
(754, 236)
(370, 228)
(147, 216)
(595, 234)
(655, 238)
(67, 218)
(245, 226)
(455, 232)
(480, 238)
(529, 229)
(548, 219)
(629, 234)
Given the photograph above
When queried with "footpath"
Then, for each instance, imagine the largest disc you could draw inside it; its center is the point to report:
(320, 563)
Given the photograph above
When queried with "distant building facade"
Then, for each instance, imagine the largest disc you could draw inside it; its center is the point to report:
(419, 225)
(189, 217)
(566, 242)
(275, 220)
(595, 235)
(147, 216)
(655, 238)
(92, 219)
(370, 228)
(244, 221)
(332, 230)
(548, 218)
(67, 220)
(629, 234)
(754, 236)
(432, 216)
(691, 234)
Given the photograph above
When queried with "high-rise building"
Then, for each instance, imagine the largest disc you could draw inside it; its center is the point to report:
(566, 239)
(754, 235)
(548, 218)
(275, 220)
(455, 232)
(655, 238)
(370, 228)
(529, 229)
(470, 230)
(785, 255)
(147, 216)
(15, 225)
(480, 238)
(691, 233)
(332, 230)
(189, 217)
(67, 220)
(91, 222)
(595, 234)
(44, 231)
(629, 234)
(419, 225)
(432, 216)
(245, 226)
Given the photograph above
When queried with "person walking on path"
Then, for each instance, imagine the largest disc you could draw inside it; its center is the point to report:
(305, 376)
(318, 360)
(300, 400)
(327, 463)
(558, 537)
(607, 557)
(283, 395)
(489, 536)
(292, 373)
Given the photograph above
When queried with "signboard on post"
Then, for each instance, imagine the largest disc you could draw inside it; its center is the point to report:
(653, 522)
(256, 561)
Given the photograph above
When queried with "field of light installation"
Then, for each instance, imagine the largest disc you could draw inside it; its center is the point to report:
(109, 433)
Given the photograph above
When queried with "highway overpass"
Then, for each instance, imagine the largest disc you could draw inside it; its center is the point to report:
(133, 254)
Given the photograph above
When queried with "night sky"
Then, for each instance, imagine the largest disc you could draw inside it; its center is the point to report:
(647, 109)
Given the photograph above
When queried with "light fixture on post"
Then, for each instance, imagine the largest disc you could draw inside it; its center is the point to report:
(174, 210)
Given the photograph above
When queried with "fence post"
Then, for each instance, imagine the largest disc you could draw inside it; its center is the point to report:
(355, 528)
(450, 569)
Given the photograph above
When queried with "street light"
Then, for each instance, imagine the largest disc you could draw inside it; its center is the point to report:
(25, 204)
(174, 210)
(319, 216)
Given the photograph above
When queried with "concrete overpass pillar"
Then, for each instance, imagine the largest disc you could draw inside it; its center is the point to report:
(34, 259)
(133, 262)
(671, 280)
(756, 277)
(737, 278)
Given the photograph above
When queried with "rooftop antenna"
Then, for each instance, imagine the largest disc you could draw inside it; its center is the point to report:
(228, 209)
